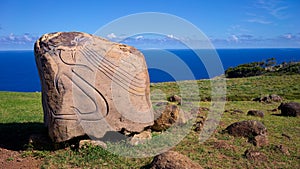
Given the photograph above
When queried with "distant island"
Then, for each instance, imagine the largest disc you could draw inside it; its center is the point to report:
(268, 67)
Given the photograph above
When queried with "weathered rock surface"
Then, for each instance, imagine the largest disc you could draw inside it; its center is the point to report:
(140, 138)
(269, 99)
(255, 156)
(91, 86)
(257, 113)
(249, 128)
(290, 109)
(170, 115)
(175, 98)
(259, 140)
(172, 160)
(254, 130)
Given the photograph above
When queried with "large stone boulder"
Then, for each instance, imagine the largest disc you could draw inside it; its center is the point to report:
(254, 130)
(172, 160)
(249, 128)
(91, 86)
(290, 109)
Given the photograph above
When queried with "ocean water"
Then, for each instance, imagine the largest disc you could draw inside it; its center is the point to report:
(18, 70)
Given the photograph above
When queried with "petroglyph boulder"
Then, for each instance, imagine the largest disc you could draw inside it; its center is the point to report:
(91, 86)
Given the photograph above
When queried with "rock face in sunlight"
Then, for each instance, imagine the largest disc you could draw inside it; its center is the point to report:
(91, 86)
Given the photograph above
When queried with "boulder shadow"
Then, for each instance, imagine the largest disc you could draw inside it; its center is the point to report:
(16, 136)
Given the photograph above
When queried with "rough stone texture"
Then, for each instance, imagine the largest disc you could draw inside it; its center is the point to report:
(257, 113)
(254, 130)
(141, 138)
(175, 98)
(269, 99)
(172, 160)
(255, 156)
(281, 148)
(260, 140)
(290, 109)
(85, 143)
(249, 128)
(91, 86)
(168, 117)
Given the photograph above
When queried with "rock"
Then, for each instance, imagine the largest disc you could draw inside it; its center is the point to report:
(221, 144)
(275, 98)
(257, 113)
(175, 98)
(290, 109)
(286, 136)
(259, 141)
(254, 130)
(248, 129)
(281, 148)
(172, 160)
(85, 143)
(255, 156)
(269, 99)
(91, 86)
(168, 117)
(141, 138)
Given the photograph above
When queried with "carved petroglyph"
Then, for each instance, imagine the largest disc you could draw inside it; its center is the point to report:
(91, 86)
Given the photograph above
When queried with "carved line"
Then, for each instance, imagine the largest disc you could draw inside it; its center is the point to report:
(83, 90)
(107, 69)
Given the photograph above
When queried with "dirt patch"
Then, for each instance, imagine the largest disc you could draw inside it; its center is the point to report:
(14, 160)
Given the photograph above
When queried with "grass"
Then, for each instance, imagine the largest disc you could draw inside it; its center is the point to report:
(21, 115)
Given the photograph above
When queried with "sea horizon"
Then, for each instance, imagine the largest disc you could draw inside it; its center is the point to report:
(19, 72)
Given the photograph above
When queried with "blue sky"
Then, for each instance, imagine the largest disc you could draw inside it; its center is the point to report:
(227, 23)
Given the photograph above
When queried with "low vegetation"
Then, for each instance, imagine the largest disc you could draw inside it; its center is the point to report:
(268, 67)
(21, 115)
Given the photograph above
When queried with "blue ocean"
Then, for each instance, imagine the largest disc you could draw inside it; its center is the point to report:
(18, 70)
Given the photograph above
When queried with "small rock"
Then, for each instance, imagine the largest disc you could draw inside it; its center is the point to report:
(168, 117)
(257, 113)
(290, 109)
(84, 143)
(274, 110)
(249, 128)
(173, 160)
(255, 155)
(269, 99)
(275, 98)
(259, 141)
(175, 98)
(221, 144)
(140, 138)
(287, 136)
(204, 109)
(282, 149)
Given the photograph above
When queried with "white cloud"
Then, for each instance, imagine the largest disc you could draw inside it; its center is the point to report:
(26, 37)
(234, 38)
(11, 37)
(288, 36)
(111, 36)
(275, 8)
(258, 20)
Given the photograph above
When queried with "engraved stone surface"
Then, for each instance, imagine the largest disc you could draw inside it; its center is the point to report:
(91, 86)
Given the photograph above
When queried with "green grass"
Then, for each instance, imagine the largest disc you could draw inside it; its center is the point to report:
(21, 115)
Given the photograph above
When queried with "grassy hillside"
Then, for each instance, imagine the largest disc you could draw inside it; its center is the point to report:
(21, 115)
